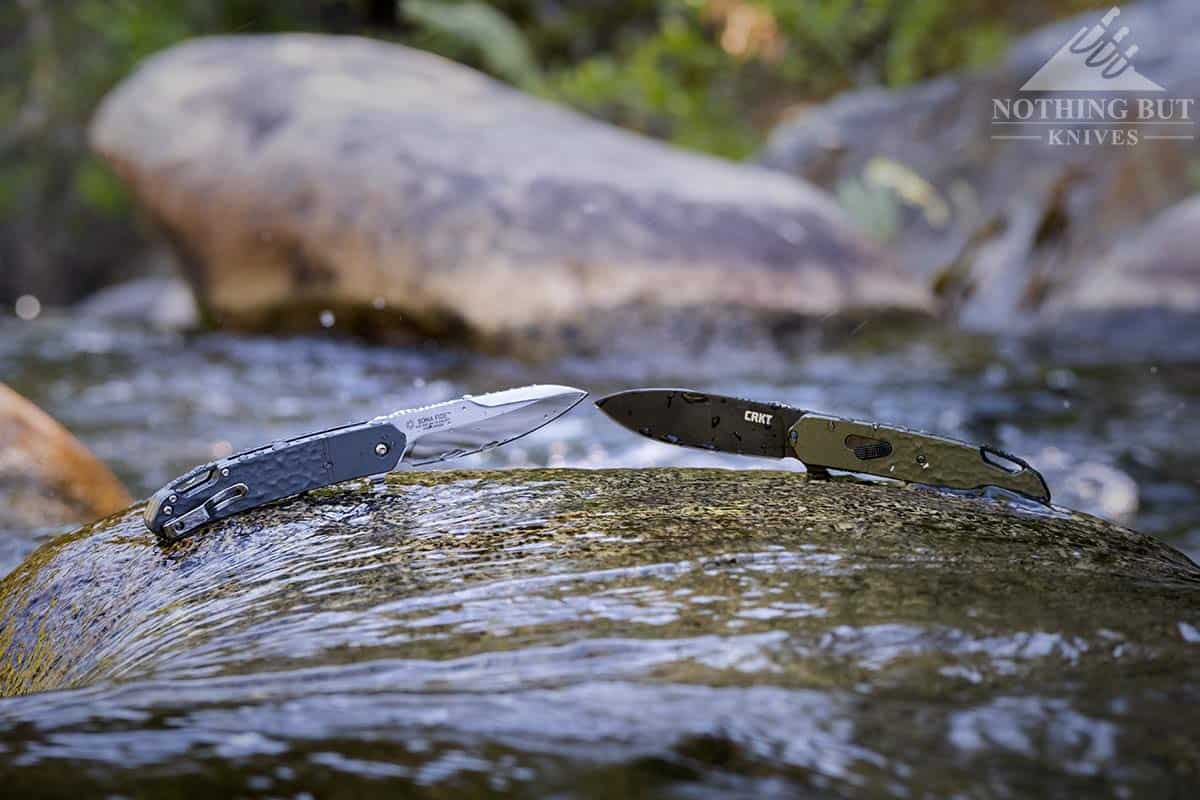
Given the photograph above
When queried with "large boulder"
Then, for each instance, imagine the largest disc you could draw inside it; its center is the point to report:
(1157, 268)
(48, 478)
(656, 631)
(301, 174)
(1003, 227)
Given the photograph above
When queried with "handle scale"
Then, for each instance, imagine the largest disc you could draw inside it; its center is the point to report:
(892, 452)
(282, 469)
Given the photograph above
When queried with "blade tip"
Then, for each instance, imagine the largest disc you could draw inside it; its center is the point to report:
(563, 389)
(600, 402)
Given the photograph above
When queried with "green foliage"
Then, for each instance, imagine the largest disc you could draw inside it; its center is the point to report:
(99, 189)
(130, 30)
(669, 85)
(928, 38)
(15, 181)
(471, 30)
(716, 75)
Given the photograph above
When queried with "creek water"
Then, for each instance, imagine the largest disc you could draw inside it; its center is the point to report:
(1112, 428)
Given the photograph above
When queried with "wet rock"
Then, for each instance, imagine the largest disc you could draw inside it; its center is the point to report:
(561, 624)
(1000, 227)
(47, 477)
(393, 189)
(165, 303)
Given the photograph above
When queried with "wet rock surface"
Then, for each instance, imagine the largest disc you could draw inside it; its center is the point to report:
(48, 479)
(597, 631)
(398, 190)
(1107, 420)
(1001, 227)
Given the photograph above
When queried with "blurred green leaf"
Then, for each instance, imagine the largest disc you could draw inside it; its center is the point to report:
(130, 30)
(476, 29)
(99, 189)
(873, 209)
(16, 179)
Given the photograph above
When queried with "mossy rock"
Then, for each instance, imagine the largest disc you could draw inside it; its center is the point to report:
(637, 614)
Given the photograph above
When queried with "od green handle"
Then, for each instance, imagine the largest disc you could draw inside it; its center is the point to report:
(892, 452)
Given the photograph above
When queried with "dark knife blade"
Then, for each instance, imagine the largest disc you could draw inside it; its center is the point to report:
(705, 421)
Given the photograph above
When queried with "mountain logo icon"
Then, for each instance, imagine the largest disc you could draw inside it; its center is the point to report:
(1093, 61)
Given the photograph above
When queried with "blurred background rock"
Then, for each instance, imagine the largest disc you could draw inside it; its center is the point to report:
(711, 75)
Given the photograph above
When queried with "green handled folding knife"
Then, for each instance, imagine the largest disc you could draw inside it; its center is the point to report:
(412, 437)
(820, 441)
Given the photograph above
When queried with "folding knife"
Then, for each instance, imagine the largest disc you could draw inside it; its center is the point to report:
(820, 441)
(411, 437)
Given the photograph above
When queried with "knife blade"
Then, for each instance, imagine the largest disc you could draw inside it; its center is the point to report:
(822, 442)
(409, 437)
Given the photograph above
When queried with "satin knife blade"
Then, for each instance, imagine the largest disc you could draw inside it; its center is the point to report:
(411, 437)
(821, 441)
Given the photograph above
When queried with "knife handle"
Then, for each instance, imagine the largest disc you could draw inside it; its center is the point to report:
(250, 479)
(820, 440)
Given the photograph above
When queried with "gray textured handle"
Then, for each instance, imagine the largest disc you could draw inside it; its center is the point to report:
(256, 477)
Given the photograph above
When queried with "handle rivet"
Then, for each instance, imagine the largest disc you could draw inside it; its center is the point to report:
(168, 510)
(381, 449)
(225, 472)
(171, 499)
(793, 436)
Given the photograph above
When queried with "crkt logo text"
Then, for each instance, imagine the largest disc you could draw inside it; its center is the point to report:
(759, 417)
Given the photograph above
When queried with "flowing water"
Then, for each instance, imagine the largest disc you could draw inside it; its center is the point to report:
(1111, 428)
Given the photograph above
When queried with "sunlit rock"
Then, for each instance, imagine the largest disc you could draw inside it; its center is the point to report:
(398, 191)
(47, 477)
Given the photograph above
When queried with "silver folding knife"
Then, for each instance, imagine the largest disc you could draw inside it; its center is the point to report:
(410, 437)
